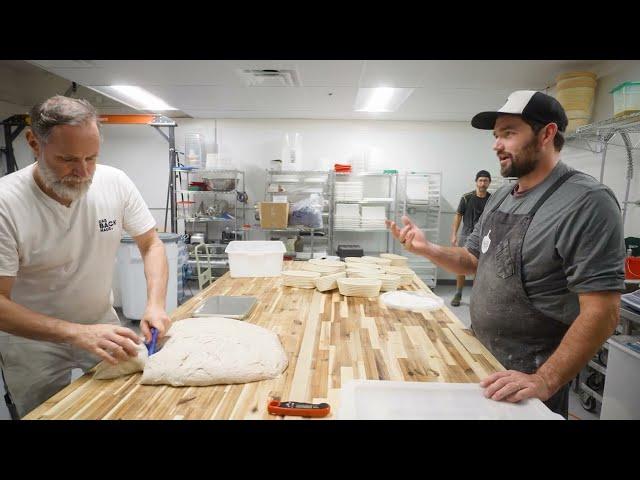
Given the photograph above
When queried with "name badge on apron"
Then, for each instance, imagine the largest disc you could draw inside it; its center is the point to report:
(486, 241)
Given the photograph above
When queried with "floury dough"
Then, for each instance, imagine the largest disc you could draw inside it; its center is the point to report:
(211, 351)
(106, 371)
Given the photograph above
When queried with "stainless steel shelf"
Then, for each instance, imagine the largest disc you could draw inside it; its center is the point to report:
(296, 182)
(366, 202)
(206, 219)
(596, 366)
(426, 203)
(294, 229)
(365, 174)
(187, 212)
(592, 137)
(426, 212)
(199, 171)
(630, 123)
(205, 192)
(285, 173)
(591, 392)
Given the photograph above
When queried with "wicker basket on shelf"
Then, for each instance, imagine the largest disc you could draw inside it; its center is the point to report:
(575, 91)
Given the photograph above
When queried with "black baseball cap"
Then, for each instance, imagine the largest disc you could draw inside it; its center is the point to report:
(531, 105)
(483, 173)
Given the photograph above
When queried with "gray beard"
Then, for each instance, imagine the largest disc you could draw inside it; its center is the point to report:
(67, 190)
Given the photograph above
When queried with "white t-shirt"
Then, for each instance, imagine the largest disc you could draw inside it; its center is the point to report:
(63, 257)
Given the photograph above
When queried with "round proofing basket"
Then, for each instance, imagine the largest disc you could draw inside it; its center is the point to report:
(329, 282)
(568, 76)
(577, 98)
(328, 263)
(396, 260)
(359, 287)
(354, 260)
(576, 91)
(360, 273)
(376, 260)
(299, 278)
(366, 266)
(323, 269)
(390, 282)
(406, 274)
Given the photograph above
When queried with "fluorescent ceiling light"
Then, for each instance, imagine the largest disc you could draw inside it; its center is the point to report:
(382, 99)
(134, 97)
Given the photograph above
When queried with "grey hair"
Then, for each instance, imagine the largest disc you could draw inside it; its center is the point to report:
(60, 110)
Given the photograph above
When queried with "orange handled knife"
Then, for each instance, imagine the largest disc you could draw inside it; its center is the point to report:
(299, 409)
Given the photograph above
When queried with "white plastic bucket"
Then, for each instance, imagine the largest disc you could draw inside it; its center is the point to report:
(620, 399)
(255, 258)
(131, 279)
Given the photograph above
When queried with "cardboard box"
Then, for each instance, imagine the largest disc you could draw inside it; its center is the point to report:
(274, 215)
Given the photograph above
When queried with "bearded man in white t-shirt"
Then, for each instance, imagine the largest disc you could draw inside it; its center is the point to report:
(61, 220)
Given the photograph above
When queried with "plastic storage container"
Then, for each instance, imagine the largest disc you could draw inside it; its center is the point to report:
(133, 285)
(255, 258)
(385, 400)
(194, 150)
(621, 397)
(626, 98)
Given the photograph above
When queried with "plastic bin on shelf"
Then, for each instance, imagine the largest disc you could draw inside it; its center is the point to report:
(626, 98)
(255, 258)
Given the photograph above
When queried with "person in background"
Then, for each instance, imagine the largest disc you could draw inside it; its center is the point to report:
(469, 212)
(61, 220)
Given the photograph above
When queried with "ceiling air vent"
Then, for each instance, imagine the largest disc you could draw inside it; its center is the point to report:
(270, 77)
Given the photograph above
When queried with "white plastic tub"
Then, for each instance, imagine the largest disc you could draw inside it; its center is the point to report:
(255, 258)
(131, 279)
(621, 396)
(385, 400)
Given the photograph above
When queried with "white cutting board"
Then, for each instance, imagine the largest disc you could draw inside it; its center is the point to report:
(387, 400)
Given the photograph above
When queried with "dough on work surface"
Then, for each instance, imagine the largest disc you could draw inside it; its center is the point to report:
(211, 351)
(106, 371)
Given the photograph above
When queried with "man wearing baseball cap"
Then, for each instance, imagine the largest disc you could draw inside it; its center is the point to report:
(547, 253)
(469, 212)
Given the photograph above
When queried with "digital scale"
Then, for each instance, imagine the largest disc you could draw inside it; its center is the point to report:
(238, 307)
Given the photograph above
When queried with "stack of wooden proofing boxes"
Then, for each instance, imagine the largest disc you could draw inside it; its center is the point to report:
(575, 91)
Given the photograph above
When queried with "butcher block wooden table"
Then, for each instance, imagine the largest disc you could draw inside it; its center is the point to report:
(329, 339)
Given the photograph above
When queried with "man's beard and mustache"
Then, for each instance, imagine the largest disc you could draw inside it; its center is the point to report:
(523, 163)
(70, 187)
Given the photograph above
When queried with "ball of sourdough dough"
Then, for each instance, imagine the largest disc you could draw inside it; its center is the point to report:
(210, 351)
(106, 371)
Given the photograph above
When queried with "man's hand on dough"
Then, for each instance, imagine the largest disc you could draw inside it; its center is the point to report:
(154, 317)
(112, 343)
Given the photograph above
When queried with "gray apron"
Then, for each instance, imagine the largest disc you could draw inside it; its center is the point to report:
(502, 316)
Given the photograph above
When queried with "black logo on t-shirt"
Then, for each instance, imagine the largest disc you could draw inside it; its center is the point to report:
(105, 225)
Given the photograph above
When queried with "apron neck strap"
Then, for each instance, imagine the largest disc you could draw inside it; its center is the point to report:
(558, 183)
(551, 190)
